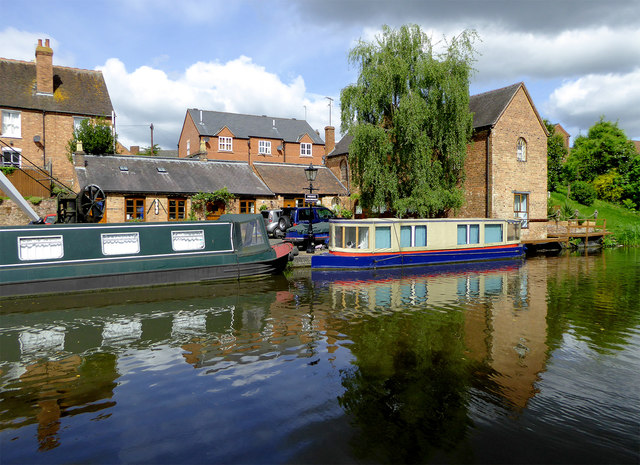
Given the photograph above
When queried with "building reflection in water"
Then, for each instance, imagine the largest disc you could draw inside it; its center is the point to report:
(420, 339)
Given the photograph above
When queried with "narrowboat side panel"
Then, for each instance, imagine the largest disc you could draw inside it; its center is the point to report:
(64, 258)
(386, 243)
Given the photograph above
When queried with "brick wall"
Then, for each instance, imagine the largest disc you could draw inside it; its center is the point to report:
(55, 130)
(12, 215)
(510, 175)
(475, 185)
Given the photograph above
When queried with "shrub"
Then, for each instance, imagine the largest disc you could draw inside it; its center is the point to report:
(608, 186)
(583, 192)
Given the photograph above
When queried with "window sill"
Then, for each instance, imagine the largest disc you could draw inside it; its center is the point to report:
(10, 137)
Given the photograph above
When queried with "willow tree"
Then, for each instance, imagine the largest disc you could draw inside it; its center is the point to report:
(409, 116)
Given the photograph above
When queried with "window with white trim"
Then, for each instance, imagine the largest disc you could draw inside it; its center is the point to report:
(188, 147)
(11, 157)
(264, 147)
(521, 149)
(40, 248)
(305, 149)
(11, 124)
(521, 208)
(225, 144)
(77, 121)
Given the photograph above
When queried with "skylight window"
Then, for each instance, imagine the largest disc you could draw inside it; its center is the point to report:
(123, 168)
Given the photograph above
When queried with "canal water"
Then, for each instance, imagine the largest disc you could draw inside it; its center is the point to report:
(534, 361)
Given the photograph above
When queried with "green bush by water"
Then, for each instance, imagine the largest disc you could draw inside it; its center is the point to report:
(622, 222)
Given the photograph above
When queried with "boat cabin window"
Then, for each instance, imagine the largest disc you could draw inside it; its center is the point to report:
(513, 231)
(468, 234)
(120, 243)
(251, 233)
(40, 248)
(383, 237)
(351, 237)
(187, 240)
(492, 233)
(413, 236)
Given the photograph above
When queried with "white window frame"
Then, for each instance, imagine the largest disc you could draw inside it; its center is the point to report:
(521, 149)
(14, 153)
(225, 144)
(188, 147)
(264, 147)
(77, 121)
(40, 248)
(306, 149)
(11, 129)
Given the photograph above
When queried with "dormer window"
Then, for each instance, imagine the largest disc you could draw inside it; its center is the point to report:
(521, 150)
(225, 144)
(305, 149)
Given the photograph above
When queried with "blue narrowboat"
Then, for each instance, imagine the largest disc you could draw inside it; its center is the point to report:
(390, 242)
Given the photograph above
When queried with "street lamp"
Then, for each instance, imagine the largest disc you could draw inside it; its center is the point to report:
(311, 173)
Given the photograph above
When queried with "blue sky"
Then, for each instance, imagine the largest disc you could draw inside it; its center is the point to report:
(579, 59)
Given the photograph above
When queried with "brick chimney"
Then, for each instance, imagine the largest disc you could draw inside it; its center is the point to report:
(44, 68)
(329, 139)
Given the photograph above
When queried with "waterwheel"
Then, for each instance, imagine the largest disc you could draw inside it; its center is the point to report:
(92, 203)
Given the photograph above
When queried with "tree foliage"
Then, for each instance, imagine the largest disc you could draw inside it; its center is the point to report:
(148, 151)
(556, 155)
(97, 137)
(606, 147)
(409, 116)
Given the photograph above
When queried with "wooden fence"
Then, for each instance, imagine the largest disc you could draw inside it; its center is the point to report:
(30, 183)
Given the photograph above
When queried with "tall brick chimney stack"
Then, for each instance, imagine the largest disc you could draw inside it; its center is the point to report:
(329, 139)
(44, 68)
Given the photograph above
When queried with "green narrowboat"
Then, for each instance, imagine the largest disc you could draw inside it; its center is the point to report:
(42, 259)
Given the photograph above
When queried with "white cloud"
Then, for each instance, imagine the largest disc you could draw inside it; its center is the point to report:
(583, 101)
(569, 53)
(149, 95)
(21, 45)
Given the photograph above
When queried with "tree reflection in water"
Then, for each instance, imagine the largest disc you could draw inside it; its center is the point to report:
(409, 390)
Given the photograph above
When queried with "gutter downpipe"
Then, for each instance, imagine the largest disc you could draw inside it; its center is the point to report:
(489, 184)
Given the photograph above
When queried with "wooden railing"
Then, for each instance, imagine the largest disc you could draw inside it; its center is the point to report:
(568, 229)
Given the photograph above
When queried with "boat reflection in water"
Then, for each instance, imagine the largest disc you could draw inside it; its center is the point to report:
(480, 362)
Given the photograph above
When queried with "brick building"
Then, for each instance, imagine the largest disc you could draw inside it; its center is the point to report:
(506, 165)
(278, 150)
(41, 104)
(151, 189)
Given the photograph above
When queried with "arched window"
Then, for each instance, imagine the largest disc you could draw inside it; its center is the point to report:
(343, 171)
(522, 150)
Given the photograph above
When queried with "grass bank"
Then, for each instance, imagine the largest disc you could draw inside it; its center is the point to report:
(623, 223)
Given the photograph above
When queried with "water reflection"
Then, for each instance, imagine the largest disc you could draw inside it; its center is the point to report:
(416, 361)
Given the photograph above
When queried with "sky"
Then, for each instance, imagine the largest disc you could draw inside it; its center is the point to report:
(579, 59)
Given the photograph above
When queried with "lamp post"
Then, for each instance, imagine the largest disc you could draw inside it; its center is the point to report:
(310, 172)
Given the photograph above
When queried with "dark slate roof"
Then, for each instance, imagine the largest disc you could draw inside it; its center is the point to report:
(75, 91)
(342, 147)
(284, 178)
(489, 106)
(169, 175)
(245, 126)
